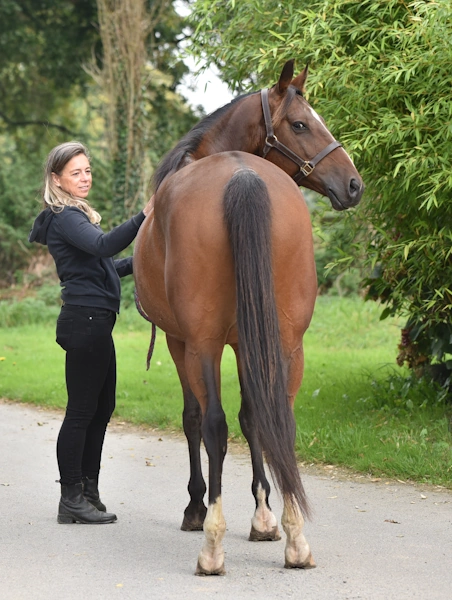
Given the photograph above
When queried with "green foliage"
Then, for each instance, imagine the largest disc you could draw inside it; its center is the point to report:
(50, 294)
(42, 47)
(380, 73)
(30, 311)
(48, 97)
(18, 192)
(406, 393)
(333, 242)
(127, 292)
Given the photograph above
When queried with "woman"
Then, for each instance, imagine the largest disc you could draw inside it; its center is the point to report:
(89, 276)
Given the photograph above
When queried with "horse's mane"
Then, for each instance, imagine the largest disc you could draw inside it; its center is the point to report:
(174, 159)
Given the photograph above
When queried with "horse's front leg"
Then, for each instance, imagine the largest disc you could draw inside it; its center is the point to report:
(195, 512)
(204, 373)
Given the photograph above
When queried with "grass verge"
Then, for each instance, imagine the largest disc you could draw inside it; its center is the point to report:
(355, 408)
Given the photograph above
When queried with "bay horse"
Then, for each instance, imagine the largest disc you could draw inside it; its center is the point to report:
(227, 258)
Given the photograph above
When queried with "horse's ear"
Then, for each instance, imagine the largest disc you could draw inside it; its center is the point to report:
(300, 80)
(285, 77)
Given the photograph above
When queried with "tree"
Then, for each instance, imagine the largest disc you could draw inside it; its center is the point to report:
(138, 37)
(380, 72)
(47, 96)
(42, 45)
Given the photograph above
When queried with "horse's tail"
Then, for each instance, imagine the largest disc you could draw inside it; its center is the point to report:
(263, 371)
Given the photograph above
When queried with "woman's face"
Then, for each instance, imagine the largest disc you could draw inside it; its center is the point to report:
(75, 178)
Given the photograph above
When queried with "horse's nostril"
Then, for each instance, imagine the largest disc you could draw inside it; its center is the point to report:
(355, 187)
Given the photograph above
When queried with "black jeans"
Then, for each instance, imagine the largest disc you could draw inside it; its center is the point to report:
(86, 335)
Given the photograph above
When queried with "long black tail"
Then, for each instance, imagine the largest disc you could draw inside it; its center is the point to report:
(247, 210)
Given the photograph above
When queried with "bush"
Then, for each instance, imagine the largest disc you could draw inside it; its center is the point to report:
(45, 306)
(398, 393)
(27, 312)
(380, 74)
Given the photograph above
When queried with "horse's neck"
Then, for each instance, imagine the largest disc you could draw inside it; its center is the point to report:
(238, 129)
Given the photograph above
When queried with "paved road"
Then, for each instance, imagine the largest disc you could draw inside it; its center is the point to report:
(385, 540)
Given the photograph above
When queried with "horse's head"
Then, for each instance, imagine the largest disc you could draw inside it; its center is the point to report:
(299, 142)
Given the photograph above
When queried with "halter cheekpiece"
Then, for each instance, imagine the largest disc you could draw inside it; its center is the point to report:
(271, 141)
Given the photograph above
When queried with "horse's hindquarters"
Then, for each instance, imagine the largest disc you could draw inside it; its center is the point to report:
(183, 263)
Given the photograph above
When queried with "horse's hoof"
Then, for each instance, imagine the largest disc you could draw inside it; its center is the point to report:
(309, 563)
(194, 516)
(201, 572)
(189, 525)
(265, 536)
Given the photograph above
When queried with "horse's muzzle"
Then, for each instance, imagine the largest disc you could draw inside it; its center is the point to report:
(348, 199)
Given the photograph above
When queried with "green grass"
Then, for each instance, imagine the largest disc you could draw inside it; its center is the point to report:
(356, 408)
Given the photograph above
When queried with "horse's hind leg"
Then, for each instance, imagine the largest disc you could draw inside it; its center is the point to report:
(297, 552)
(264, 525)
(195, 512)
(203, 369)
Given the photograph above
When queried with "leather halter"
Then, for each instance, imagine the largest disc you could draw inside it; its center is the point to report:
(271, 141)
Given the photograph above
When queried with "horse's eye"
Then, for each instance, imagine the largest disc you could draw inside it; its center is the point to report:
(298, 126)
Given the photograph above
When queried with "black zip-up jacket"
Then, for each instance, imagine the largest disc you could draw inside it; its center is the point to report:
(83, 255)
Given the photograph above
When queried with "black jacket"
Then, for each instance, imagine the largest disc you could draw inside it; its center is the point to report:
(83, 255)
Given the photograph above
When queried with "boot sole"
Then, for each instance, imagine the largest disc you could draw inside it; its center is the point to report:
(69, 520)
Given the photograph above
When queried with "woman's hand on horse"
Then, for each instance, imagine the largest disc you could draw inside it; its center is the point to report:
(149, 206)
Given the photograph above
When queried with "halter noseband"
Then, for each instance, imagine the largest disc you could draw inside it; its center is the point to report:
(271, 141)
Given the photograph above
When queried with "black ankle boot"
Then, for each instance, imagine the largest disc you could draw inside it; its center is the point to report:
(74, 507)
(91, 492)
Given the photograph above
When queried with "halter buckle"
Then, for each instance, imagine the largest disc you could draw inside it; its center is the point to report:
(307, 168)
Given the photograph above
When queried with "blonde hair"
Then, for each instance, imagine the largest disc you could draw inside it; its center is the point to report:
(53, 196)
